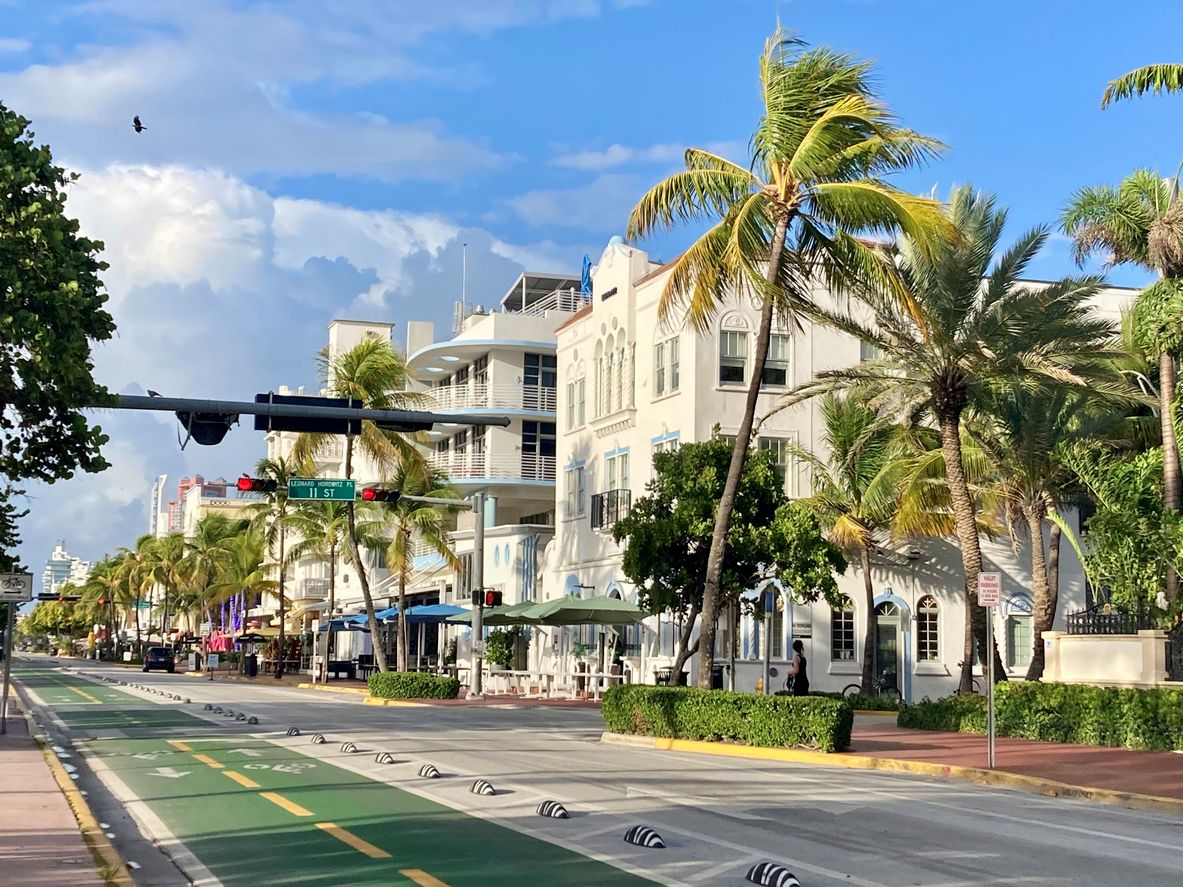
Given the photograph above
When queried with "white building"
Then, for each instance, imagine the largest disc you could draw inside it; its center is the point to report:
(63, 568)
(629, 386)
(158, 508)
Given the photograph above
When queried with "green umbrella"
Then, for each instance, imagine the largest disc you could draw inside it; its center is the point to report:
(508, 615)
(582, 611)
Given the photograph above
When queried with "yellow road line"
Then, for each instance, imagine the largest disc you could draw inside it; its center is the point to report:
(86, 695)
(244, 781)
(290, 806)
(421, 878)
(353, 840)
(208, 761)
(179, 745)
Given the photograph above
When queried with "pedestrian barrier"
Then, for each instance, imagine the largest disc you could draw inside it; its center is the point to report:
(293, 731)
(384, 757)
(427, 771)
(252, 720)
(208, 707)
(553, 810)
(643, 836)
(483, 787)
(229, 712)
(769, 874)
(348, 747)
(241, 717)
(318, 739)
(217, 709)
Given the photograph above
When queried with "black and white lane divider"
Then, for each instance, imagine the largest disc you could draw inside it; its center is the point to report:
(318, 739)
(241, 717)
(293, 731)
(770, 874)
(643, 836)
(552, 810)
(384, 757)
(208, 707)
(483, 787)
(428, 771)
(348, 747)
(252, 720)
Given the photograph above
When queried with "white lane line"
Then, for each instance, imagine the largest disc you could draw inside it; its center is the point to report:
(709, 805)
(714, 871)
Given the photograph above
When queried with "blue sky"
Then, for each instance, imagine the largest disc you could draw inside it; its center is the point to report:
(311, 159)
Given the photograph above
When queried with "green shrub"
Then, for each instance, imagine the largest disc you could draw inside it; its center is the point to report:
(721, 716)
(856, 701)
(412, 685)
(954, 714)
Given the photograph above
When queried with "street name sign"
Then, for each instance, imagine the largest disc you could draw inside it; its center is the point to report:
(16, 586)
(989, 589)
(322, 488)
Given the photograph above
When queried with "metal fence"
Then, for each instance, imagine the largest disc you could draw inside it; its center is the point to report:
(1175, 653)
(1105, 619)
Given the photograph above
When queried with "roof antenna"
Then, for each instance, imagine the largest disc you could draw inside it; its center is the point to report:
(464, 274)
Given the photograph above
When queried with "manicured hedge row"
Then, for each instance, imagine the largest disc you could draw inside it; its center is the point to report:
(861, 702)
(413, 685)
(1116, 717)
(717, 715)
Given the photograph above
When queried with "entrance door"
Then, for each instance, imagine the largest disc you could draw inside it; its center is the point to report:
(887, 644)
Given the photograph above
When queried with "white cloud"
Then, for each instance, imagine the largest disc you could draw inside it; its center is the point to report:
(621, 155)
(13, 45)
(602, 205)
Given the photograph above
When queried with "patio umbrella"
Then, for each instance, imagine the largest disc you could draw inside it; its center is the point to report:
(252, 637)
(435, 614)
(507, 615)
(582, 611)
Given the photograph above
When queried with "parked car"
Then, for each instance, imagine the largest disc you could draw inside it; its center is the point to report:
(160, 657)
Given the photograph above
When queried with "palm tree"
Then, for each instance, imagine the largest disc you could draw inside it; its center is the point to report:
(968, 323)
(241, 571)
(164, 566)
(786, 222)
(1140, 222)
(206, 556)
(1151, 78)
(407, 522)
(136, 566)
(269, 516)
(99, 593)
(375, 374)
(322, 528)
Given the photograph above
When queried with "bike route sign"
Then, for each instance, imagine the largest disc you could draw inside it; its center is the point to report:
(16, 586)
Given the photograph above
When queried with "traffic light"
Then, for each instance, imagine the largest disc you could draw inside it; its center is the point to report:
(486, 598)
(256, 485)
(379, 494)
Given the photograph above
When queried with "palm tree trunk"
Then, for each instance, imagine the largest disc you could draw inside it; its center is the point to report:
(867, 683)
(403, 633)
(1170, 453)
(332, 603)
(359, 565)
(1045, 607)
(279, 658)
(710, 591)
(139, 643)
(965, 520)
(685, 648)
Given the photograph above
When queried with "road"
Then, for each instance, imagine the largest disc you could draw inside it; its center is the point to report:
(237, 804)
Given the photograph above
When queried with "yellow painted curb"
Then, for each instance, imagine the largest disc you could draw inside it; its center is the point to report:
(110, 865)
(377, 700)
(870, 713)
(977, 775)
(321, 688)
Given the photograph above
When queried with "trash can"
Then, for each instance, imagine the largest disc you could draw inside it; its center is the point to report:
(716, 677)
(250, 665)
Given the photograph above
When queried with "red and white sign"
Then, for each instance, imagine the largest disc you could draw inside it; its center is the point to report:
(989, 589)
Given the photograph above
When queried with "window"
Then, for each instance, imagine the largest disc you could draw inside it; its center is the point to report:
(842, 632)
(666, 372)
(480, 370)
(776, 628)
(538, 450)
(618, 472)
(781, 453)
(620, 378)
(576, 490)
(540, 369)
(460, 443)
(571, 406)
(927, 630)
(580, 402)
(868, 351)
(776, 367)
(733, 357)
(460, 377)
(1018, 637)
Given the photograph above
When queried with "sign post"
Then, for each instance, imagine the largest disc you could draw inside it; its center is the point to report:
(989, 596)
(322, 489)
(15, 588)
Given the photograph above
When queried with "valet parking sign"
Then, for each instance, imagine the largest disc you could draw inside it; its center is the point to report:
(989, 589)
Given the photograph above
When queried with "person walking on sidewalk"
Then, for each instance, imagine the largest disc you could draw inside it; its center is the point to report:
(799, 671)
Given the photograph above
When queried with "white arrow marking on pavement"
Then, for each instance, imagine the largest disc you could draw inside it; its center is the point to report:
(148, 755)
(249, 752)
(169, 772)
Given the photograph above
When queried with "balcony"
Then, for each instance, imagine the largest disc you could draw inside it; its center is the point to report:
(483, 396)
(310, 590)
(330, 453)
(467, 466)
(607, 508)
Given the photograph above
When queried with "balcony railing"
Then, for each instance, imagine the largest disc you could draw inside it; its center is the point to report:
(330, 452)
(483, 396)
(310, 590)
(607, 508)
(459, 466)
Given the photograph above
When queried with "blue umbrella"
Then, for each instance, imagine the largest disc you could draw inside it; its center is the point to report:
(585, 283)
(381, 615)
(433, 614)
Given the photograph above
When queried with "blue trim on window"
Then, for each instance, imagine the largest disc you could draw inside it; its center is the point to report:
(1018, 604)
(905, 637)
(576, 463)
(662, 438)
(619, 451)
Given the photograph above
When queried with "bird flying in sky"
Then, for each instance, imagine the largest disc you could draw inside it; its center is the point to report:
(136, 125)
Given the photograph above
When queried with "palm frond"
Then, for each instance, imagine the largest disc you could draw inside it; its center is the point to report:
(1151, 78)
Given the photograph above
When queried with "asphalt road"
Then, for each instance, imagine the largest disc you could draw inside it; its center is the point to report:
(717, 816)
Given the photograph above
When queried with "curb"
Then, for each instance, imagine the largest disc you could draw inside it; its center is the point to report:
(401, 703)
(321, 688)
(110, 865)
(976, 775)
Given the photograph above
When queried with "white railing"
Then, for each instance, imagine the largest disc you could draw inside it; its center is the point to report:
(481, 395)
(310, 590)
(482, 465)
(332, 451)
(569, 300)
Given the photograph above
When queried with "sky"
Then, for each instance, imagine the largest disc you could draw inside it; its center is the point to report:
(311, 159)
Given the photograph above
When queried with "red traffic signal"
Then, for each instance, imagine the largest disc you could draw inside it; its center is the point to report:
(378, 494)
(492, 598)
(256, 485)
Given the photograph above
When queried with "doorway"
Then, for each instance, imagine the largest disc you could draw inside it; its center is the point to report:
(887, 645)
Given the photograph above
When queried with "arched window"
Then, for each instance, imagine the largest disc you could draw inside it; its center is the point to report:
(842, 632)
(928, 630)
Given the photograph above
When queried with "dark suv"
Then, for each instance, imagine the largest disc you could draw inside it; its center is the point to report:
(160, 657)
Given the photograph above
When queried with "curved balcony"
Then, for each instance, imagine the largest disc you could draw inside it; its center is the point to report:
(519, 468)
(477, 396)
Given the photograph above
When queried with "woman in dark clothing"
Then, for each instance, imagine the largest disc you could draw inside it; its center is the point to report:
(799, 671)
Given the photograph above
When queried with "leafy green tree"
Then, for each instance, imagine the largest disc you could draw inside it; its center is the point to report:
(785, 222)
(100, 593)
(1151, 78)
(242, 571)
(51, 311)
(968, 324)
(164, 565)
(667, 537)
(375, 374)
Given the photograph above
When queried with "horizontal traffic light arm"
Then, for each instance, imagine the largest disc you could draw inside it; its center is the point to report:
(243, 408)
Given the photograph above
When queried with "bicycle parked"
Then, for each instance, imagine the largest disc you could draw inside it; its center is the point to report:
(975, 685)
(883, 687)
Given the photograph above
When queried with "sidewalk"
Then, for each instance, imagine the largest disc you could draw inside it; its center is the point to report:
(1154, 773)
(40, 841)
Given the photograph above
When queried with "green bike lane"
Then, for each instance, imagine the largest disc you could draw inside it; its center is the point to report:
(255, 813)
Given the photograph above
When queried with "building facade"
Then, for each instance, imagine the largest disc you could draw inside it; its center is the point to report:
(62, 568)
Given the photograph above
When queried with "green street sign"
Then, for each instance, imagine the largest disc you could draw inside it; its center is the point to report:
(322, 488)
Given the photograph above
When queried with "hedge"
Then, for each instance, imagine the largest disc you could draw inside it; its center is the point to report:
(721, 716)
(1078, 714)
(862, 702)
(412, 685)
